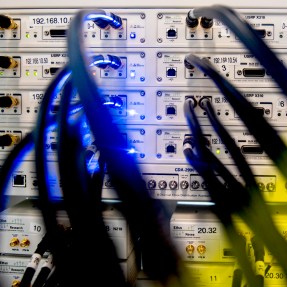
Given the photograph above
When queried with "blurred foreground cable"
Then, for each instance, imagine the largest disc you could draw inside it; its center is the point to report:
(44, 272)
(36, 257)
(146, 217)
(248, 36)
(259, 252)
(83, 203)
(256, 215)
(227, 200)
(264, 133)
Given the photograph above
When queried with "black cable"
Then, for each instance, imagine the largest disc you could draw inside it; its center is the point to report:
(56, 275)
(42, 124)
(221, 209)
(67, 125)
(236, 197)
(146, 216)
(36, 257)
(83, 203)
(237, 277)
(233, 149)
(40, 134)
(83, 211)
(40, 138)
(237, 272)
(259, 252)
(249, 38)
(44, 272)
(264, 133)
(199, 156)
(258, 215)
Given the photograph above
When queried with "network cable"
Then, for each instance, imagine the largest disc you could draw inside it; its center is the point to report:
(249, 38)
(259, 252)
(245, 110)
(145, 215)
(32, 266)
(16, 155)
(264, 133)
(257, 215)
(44, 272)
(204, 165)
(54, 88)
(83, 201)
(248, 177)
(233, 149)
(159, 228)
(237, 277)
(196, 154)
(46, 206)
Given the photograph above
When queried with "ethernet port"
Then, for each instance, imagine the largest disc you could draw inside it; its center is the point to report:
(19, 180)
(170, 148)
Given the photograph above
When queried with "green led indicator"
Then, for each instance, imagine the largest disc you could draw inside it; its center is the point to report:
(1, 73)
(27, 36)
(218, 151)
(35, 73)
(27, 73)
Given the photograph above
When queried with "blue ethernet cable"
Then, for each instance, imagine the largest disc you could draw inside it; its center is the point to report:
(145, 215)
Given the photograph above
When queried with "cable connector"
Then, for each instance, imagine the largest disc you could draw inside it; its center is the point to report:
(204, 101)
(258, 248)
(7, 23)
(108, 20)
(103, 62)
(116, 22)
(191, 20)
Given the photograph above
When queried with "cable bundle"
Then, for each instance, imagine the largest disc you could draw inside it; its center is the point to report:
(146, 217)
(230, 196)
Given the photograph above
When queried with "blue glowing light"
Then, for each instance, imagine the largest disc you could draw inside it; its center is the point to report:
(132, 151)
(132, 113)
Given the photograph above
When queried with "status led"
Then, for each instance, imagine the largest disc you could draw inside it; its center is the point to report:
(132, 112)
(132, 35)
(132, 150)
(132, 74)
